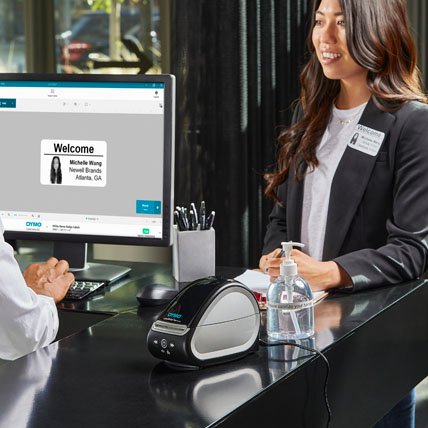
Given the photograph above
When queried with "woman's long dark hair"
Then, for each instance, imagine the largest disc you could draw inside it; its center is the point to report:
(56, 174)
(378, 39)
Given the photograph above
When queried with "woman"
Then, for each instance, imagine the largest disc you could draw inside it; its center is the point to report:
(352, 175)
(56, 173)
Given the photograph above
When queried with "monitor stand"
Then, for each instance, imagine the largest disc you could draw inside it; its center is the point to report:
(76, 255)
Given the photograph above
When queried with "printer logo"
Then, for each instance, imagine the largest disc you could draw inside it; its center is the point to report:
(33, 224)
(174, 315)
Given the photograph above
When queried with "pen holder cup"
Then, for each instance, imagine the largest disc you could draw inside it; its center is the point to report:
(193, 254)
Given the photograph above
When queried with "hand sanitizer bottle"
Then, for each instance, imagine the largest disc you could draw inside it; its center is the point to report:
(290, 307)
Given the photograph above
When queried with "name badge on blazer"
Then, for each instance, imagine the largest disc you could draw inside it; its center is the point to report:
(366, 140)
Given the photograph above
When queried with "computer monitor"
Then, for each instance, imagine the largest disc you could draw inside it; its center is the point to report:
(87, 158)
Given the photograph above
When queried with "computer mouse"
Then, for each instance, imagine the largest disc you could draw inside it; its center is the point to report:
(155, 294)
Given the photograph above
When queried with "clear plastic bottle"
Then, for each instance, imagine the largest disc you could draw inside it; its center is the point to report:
(290, 309)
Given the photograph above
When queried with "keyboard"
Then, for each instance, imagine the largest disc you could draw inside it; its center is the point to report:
(80, 289)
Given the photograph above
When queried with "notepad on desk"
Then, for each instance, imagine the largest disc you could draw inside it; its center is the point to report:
(258, 282)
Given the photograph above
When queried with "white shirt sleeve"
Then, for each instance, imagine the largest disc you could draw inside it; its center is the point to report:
(27, 320)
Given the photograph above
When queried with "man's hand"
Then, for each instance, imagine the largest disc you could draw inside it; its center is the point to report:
(50, 279)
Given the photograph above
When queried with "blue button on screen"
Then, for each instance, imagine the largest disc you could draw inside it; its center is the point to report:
(148, 207)
(7, 102)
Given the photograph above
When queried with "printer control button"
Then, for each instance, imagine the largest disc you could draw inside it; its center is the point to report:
(164, 343)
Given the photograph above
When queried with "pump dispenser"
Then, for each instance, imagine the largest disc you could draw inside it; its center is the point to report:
(290, 308)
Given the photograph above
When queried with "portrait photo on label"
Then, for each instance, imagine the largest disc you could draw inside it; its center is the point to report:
(73, 163)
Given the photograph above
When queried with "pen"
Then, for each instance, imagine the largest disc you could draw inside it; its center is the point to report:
(202, 212)
(182, 218)
(176, 218)
(186, 219)
(178, 221)
(192, 220)
(210, 220)
(195, 211)
(178, 211)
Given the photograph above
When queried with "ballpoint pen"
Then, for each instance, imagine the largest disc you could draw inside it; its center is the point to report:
(202, 213)
(182, 218)
(195, 212)
(178, 211)
(178, 221)
(186, 219)
(192, 220)
(210, 220)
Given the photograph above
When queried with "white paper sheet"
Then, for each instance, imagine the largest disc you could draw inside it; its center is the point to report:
(259, 281)
(254, 280)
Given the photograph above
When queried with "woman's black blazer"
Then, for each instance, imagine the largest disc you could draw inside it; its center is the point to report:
(377, 222)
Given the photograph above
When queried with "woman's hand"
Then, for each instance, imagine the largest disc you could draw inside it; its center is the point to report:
(50, 279)
(270, 263)
(320, 275)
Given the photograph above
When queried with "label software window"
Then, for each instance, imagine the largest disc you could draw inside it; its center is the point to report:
(84, 158)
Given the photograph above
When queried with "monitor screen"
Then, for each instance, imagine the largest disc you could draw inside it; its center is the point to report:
(87, 158)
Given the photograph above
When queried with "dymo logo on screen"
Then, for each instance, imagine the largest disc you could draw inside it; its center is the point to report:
(33, 224)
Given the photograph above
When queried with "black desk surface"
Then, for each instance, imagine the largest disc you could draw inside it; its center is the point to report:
(376, 342)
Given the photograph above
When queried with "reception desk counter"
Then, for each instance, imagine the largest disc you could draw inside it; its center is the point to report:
(100, 374)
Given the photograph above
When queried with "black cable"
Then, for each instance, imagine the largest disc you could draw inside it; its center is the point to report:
(314, 351)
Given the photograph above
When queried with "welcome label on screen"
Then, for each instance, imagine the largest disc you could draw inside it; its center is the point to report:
(73, 163)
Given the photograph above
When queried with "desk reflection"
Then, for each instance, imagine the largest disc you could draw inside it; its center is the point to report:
(22, 384)
(285, 358)
(208, 397)
(328, 315)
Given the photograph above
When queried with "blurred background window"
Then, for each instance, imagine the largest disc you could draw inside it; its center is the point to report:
(107, 36)
(237, 65)
(12, 42)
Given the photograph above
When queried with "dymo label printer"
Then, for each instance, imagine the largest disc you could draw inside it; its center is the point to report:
(211, 321)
